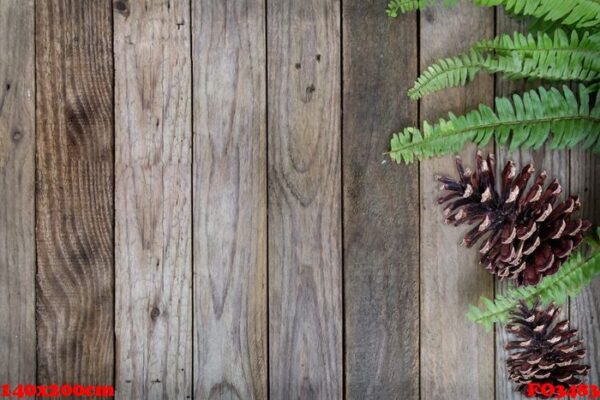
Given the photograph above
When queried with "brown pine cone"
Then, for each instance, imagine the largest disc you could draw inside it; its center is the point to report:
(543, 350)
(529, 234)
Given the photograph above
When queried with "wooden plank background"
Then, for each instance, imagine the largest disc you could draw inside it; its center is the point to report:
(74, 192)
(195, 203)
(153, 191)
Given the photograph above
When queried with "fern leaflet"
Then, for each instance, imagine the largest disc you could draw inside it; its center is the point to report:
(575, 274)
(526, 122)
(521, 56)
(577, 13)
(396, 7)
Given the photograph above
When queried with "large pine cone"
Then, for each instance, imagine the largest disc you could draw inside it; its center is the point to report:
(528, 234)
(543, 350)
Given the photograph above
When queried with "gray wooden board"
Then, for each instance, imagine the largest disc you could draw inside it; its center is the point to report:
(153, 243)
(585, 308)
(457, 357)
(381, 205)
(230, 225)
(17, 209)
(304, 179)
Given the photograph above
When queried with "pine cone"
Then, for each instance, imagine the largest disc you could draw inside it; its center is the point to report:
(543, 351)
(528, 235)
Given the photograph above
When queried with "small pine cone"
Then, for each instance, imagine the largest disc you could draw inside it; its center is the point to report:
(543, 349)
(528, 234)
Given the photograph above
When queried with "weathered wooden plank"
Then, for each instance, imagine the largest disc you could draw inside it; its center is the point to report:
(381, 203)
(153, 199)
(555, 163)
(457, 357)
(230, 299)
(17, 209)
(74, 192)
(305, 303)
(585, 308)
(504, 387)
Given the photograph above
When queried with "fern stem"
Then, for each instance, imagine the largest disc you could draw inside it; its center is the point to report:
(502, 124)
(508, 50)
(594, 257)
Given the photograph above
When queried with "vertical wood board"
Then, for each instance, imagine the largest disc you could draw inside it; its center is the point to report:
(457, 357)
(585, 308)
(74, 192)
(17, 194)
(153, 190)
(304, 179)
(381, 205)
(230, 299)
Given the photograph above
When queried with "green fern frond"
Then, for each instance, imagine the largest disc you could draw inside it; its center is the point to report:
(520, 56)
(556, 51)
(447, 72)
(577, 13)
(526, 122)
(570, 279)
(396, 7)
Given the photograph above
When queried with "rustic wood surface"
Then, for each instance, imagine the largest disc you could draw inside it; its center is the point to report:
(153, 236)
(305, 260)
(74, 192)
(457, 357)
(381, 219)
(556, 165)
(195, 202)
(585, 309)
(17, 174)
(230, 200)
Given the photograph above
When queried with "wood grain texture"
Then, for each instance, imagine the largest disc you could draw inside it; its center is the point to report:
(74, 192)
(17, 209)
(457, 357)
(230, 209)
(585, 308)
(153, 199)
(381, 206)
(305, 302)
(504, 387)
(555, 163)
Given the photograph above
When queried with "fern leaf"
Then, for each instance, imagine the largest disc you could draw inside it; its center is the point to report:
(525, 122)
(560, 52)
(576, 13)
(447, 72)
(570, 279)
(520, 56)
(397, 7)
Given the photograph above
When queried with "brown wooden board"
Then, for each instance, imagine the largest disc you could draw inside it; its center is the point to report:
(304, 179)
(230, 225)
(381, 205)
(585, 308)
(556, 165)
(153, 243)
(17, 209)
(74, 192)
(457, 357)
